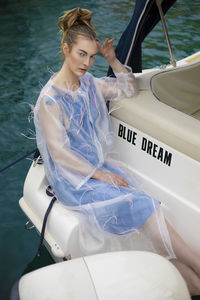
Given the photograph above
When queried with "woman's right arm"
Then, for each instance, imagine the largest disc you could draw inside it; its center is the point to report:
(52, 135)
(75, 168)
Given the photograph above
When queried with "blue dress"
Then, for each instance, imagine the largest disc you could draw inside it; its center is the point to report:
(80, 144)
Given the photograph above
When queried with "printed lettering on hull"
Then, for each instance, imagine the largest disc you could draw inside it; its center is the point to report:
(145, 145)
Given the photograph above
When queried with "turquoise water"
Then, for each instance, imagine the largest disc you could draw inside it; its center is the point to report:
(29, 47)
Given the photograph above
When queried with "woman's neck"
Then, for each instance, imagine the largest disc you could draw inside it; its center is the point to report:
(66, 79)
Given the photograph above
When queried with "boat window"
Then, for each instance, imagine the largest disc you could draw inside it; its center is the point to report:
(179, 88)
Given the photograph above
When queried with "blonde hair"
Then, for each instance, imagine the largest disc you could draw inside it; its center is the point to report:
(75, 22)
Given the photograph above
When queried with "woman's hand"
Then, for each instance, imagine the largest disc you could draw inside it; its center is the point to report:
(111, 178)
(109, 53)
(107, 50)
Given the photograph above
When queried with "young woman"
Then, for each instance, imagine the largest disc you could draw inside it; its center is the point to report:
(76, 142)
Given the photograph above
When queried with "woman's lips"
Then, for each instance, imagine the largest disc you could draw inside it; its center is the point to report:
(83, 70)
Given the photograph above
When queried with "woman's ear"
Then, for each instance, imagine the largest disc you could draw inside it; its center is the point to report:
(65, 48)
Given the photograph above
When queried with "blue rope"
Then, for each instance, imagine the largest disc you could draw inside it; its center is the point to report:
(51, 194)
(17, 160)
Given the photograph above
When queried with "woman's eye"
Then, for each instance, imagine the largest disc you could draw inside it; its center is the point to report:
(93, 56)
(81, 53)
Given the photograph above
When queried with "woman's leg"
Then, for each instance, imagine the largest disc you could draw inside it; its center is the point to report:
(183, 252)
(191, 278)
(187, 262)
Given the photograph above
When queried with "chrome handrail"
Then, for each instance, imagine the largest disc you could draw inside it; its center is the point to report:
(173, 61)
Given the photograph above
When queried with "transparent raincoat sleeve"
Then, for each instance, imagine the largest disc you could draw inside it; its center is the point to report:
(51, 124)
(54, 144)
(115, 89)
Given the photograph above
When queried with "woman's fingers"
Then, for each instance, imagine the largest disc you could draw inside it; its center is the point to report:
(114, 179)
(125, 183)
(107, 43)
(111, 41)
(111, 178)
(121, 181)
(99, 46)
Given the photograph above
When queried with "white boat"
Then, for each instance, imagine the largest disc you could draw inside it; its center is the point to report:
(158, 138)
(157, 142)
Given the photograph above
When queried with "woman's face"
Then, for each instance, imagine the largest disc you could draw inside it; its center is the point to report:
(81, 56)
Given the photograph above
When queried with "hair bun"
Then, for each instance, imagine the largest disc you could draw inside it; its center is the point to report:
(74, 17)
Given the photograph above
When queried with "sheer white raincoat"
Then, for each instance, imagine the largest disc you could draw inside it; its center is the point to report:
(75, 139)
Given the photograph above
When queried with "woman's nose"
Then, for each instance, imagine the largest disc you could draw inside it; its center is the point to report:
(87, 61)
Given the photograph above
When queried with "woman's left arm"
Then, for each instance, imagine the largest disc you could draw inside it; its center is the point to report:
(124, 85)
(109, 54)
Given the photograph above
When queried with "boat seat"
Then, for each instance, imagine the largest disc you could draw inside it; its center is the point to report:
(179, 88)
(174, 126)
(114, 275)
